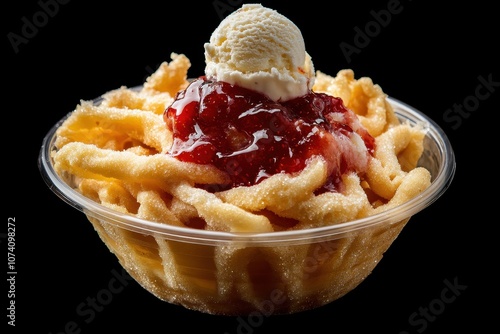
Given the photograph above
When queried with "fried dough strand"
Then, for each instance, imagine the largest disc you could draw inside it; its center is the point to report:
(117, 148)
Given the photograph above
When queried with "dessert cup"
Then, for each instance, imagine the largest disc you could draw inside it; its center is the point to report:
(279, 272)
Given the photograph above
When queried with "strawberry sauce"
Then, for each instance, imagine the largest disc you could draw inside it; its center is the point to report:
(252, 137)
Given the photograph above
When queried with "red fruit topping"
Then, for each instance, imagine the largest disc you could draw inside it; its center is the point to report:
(252, 137)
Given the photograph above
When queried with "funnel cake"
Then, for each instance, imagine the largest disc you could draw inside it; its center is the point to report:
(115, 151)
(262, 186)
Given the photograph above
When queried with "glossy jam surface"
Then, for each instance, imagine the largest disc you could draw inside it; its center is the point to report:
(252, 137)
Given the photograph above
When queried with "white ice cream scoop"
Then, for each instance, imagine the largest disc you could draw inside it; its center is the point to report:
(257, 48)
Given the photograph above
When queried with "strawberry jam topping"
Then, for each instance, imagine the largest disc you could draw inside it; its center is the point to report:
(252, 137)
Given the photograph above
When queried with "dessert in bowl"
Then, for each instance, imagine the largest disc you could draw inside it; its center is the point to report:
(262, 185)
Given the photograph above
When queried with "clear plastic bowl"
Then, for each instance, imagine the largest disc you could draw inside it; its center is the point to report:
(272, 273)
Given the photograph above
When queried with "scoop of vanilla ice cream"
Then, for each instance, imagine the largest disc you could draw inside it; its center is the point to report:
(257, 48)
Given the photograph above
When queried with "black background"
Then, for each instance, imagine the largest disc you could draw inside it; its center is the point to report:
(427, 56)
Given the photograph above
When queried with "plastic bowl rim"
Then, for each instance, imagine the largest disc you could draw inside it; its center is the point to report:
(441, 181)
